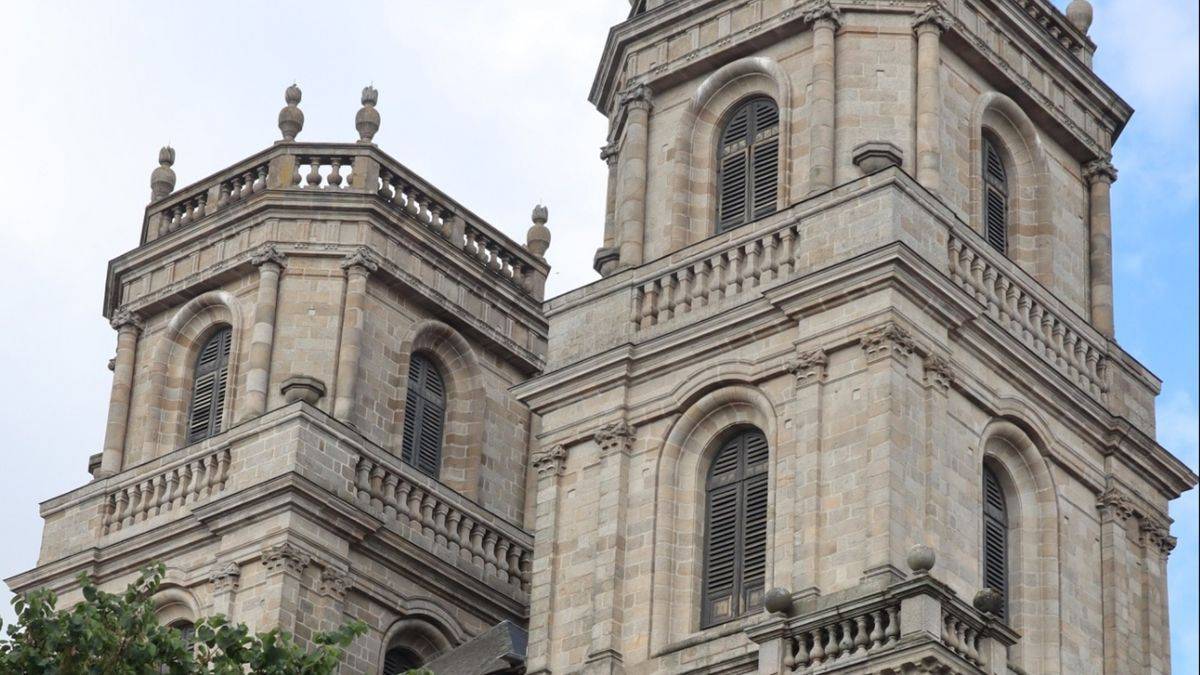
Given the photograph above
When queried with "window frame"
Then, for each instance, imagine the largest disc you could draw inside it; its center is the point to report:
(995, 537)
(221, 339)
(995, 186)
(756, 140)
(418, 399)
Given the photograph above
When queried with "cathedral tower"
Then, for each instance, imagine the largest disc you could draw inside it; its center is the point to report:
(847, 397)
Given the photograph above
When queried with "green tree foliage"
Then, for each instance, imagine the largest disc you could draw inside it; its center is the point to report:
(119, 634)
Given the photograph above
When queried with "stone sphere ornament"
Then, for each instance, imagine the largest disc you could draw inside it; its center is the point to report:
(988, 601)
(778, 601)
(921, 559)
(537, 240)
(162, 179)
(367, 119)
(291, 118)
(1080, 14)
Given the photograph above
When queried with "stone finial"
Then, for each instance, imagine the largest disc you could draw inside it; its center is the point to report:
(291, 118)
(988, 601)
(162, 179)
(875, 156)
(921, 559)
(367, 119)
(778, 601)
(1080, 14)
(537, 240)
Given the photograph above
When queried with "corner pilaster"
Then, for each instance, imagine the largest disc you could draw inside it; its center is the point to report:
(358, 265)
(128, 326)
(549, 464)
(615, 442)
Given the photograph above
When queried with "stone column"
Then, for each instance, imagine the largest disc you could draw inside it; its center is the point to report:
(809, 368)
(1100, 176)
(549, 464)
(616, 442)
(358, 265)
(607, 256)
(270, 263)
(635, 104)
(1122, 643)
(929, 25)
(825, 20)
(226, 579)
(129, 327)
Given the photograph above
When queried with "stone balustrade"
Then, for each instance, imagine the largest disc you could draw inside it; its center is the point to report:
(350, 169)
(168, 489)
(831, 637)
(1028, 315)
(443, 522)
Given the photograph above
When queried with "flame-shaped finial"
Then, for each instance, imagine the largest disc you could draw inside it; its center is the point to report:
(162, 179)
(537, 240)
(291, 118)
(367, 119)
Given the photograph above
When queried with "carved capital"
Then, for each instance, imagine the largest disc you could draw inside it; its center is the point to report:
(1114, 504)
(887, 340)
(931, 17)
(1100, 170)
(637, 96)
(361, 258)
(334, 583)
(225, 577)
(268, 254)
(938, 372)
(1156, 536)
(126, 319)
(285, 557)
(608, 153)
(549, 462)
(823, 11)
(809, 367)
(615, 437)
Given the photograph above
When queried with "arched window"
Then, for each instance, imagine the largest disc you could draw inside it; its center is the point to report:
(424, 416)
(995, 196)
(995, 538)
(399, 660)
(748, 164)
(209, 382)
(735, 546)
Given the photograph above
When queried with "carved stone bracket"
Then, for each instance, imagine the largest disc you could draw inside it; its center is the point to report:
(615, 437)
(268, 254)
(931, 17)
(334, 583)
(225, 577)
(549, 462)
(362, 258)
(887, 340)
(285, 557)
(823, 10)
(1157, 536)
(939, 372)
(809, 367)
(125, 317)
(1100, 170)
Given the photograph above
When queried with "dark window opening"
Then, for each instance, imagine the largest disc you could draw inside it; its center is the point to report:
(424, 416)
(748, 164)
(209, 383)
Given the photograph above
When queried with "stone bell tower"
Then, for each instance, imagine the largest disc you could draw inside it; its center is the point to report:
(310, 420)
(847, 397)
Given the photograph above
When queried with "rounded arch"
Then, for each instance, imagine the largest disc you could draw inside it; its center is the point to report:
(1014, 451)
(175, 604)
(466, 401)
(172, 364)
(1030, 222)
(694, 172)
(420, 635)
(691, 443)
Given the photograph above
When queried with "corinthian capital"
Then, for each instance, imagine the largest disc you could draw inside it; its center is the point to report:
(932, 16)
(334, 582)
(361, 258)
(268, 254)
(125, 318)
(286, 557)
(809, 367)
(615, 437)
(636, 96)
(1100, 170)
(939, 372)
(823, 10)
(1114, 504)
(549, 462)
(608, 153)
(887, 340)
(225, 577)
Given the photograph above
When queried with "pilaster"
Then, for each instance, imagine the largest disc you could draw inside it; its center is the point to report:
(270, 263)
(358, 265)
(1122, 644)
(284, 565)
(128, 326)
(1100, 175)
(225, 579)
(929, 24)
(938, 377)
(635, 104)
(809, 368)
(549, 464)
(825, 20)
(615, 442)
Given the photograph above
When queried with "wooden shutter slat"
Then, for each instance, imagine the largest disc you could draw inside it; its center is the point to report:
(210, 383)
(995, 538)
(748, 164)
(424, 417)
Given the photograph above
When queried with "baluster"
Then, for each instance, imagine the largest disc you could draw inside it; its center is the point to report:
(210, 474)
(389, 495)
(157, 492)
(403, 501)
(415, 499)
(969, 643)
(1070, 344)
(313, 180)
(334, 181)
(892, 632)
(817, 655)
(439, 524)
(989, 288)
(952, 634)
(185, 485)
(846, 645)
(514, 565)
(769, 262)
(649, 304)
(1056, 342)
(716, 280)
(413, 205)
(635, 311)
(110, 507)
(363, 480)
(860, 633)
(223, 460)
(947, 638)
(260, 182)
(453, 536)
(789, 654)
(750, 271)
(122, 508)
(876, 629)
(1003, 286)
(376, 486)
(201, 204)
(802, 651)
(665, 299)
(489, 554)
(956, 261)
(145, 495)
(498, 261)
(185, 214)
(1093, 366)
(977, 278)
(683, 293)
(465, 529)
(700, 284)
(733, 284)
(223, 194)
(294, 179)
(247, 184)
(427, 514)
(832, 647)
(502, 546)
(385, 185)
(477, 544)
(235, 188)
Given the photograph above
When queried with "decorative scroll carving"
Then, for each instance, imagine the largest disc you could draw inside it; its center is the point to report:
(615, 437)
(361, 257)
(809, 367)
(1113, 503)
(931, 16)
(1100, 170)
(637, 96)
(823, 10)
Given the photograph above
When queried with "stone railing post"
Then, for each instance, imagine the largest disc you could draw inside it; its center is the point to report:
(825, 20)
(270, 263)
(634, 154)
(129, 327)
(1100, 176)
(358, 265)
(549, 464)
(929, 25)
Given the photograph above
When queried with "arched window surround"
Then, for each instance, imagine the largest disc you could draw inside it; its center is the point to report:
(422, 634)
(466, 412)
(694, 181)
(691, 443)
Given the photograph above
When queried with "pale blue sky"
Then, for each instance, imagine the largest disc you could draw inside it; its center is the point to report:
(488, 101)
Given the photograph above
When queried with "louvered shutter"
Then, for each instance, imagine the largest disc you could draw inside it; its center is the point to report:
(995, 197)
(748, 164)
(735, 552)
(424, 416)
(399, 660)
(995, 538)
(209, 383)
